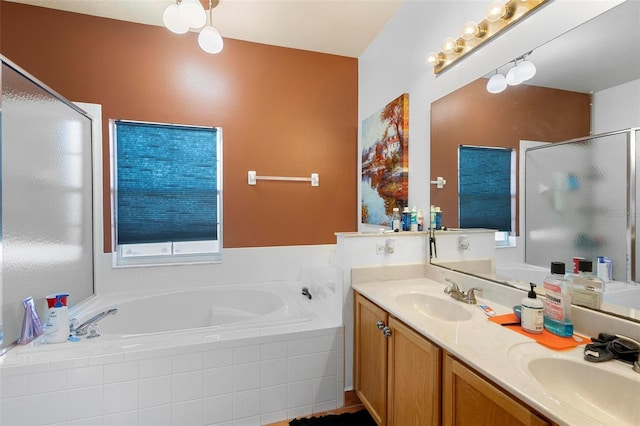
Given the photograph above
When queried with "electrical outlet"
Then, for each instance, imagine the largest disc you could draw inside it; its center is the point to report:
(380, 248)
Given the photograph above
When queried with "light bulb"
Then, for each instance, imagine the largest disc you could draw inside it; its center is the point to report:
(470, 30)
(433, 59)
(512, 77)
(193, 13)
(172, 19)
(496, 10)
(496, 84)
(451, 45)
(525, 70)
(210, 40)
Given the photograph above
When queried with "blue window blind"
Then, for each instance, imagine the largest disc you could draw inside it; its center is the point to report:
(484, 187)
(167, 187)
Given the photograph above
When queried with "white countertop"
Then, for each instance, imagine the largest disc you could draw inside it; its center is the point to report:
(496, 352)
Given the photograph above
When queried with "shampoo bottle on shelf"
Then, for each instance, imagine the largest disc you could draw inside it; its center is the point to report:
(406, 219)
(396, 220)
(532, 317)
(420, 221)
(413, 224)
(557, 302)
(587, 288)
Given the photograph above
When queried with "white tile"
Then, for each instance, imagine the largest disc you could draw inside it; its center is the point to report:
(187, 413)
(155, 416)
(300, 347)
(297, 412)
(43, 408)
(154, 367)
(154, 391)
(274, 350)
(91, 421)
(49, 381)
(248, 421)
(120, 397)
(246, 376)
(325, 406)
(324, 389)
(187, 362)
(218, 409)
(246, 354)
(12, 386)
(274, 372)
(121, 372)
(218, 381)
(273, 398)
(300, 368)
(340, 369)
(325, 343)
(85, 376)
(246, 404)
(300, 393)
(218, 358)
(187, 386)
(222, 424)
(324, 364)
(84, 402)
(278, 416)
(122, 419)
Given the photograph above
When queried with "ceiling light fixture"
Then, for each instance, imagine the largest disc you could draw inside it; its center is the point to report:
(501, 15)
(497, 83)
(517, 74)
(186, 14)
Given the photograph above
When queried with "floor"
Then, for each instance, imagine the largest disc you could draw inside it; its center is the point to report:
(351, 404)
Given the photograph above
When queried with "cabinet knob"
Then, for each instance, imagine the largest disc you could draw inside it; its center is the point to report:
(386, 331)
(380, 324)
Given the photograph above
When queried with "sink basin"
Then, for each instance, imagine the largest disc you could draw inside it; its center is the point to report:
(606, 396)
(434, 307)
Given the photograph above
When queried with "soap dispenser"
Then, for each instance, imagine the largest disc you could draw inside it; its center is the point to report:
(532, 318)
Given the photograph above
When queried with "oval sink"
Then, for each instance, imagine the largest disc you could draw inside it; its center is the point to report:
(608, 397)
(434, 307)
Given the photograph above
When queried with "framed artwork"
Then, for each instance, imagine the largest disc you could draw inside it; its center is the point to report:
(385, 162)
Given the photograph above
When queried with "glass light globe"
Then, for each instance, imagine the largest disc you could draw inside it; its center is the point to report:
(496, 10)
(193, 13)
(512, 77)
(496, 84)
(172, 19)
(210, 40)
(525, 70)
(470, 30)
(433, 59)
(450, 45)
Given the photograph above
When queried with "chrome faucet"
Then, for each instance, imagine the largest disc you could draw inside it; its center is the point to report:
(454, 291)
(636, 364)
(82, 329)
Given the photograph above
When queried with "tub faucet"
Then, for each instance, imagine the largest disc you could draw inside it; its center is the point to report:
(305, 292)
(454, 291)
(82, 329)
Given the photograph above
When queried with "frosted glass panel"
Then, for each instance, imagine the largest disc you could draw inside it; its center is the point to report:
(576, 202)
(46, 199)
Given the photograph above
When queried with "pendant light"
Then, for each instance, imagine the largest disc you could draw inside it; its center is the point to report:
(497, 83)
(209, 38)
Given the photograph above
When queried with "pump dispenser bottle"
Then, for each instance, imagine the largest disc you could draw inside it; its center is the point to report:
(557, 302)
(532, 317)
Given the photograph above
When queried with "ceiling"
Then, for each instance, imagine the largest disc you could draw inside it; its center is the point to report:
(339, 27)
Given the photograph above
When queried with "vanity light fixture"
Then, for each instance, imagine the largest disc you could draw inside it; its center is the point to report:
(501, 15)
(183, 15)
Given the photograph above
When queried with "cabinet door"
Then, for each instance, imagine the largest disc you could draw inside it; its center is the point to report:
(468, 399)
(370, 358)
(414, 378)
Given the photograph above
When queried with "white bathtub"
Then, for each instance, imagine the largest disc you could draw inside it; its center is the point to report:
(247, 353)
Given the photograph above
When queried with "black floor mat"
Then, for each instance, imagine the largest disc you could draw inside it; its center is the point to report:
(359, 418)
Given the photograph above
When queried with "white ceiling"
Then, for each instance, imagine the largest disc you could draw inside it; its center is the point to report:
(340, 27)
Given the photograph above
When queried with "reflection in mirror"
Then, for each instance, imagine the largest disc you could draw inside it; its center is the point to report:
(571, 96)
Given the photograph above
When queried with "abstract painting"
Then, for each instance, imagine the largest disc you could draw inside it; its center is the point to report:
(385, 162)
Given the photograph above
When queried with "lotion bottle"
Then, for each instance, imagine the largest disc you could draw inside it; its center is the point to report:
(532, 317)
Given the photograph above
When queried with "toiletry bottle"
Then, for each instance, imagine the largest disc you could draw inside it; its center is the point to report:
(413, 221)
(587, 288)
(56, 330)
(395, 219)
(406, 219)
(557, 302)
(438, 218)
(420, 221)
(532, 317)
(432, 217)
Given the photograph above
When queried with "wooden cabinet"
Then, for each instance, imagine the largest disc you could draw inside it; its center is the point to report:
(397, 371)
(469, 399)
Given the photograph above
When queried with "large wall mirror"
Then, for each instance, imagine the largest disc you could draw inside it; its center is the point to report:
(580, 75)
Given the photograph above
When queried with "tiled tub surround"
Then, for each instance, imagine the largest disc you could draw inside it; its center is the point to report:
(234, 375)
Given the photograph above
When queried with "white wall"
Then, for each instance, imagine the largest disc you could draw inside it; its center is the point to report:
(616, 108)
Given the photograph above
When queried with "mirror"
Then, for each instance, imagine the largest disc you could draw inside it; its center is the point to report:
(561, 102)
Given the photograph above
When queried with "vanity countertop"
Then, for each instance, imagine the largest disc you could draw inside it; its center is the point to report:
(493, 350)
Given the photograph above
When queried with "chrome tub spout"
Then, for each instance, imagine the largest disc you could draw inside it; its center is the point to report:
(81, 330)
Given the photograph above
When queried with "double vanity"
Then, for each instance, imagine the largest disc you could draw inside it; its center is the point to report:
(424, 358)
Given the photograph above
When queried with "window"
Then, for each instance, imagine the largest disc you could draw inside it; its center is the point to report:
(487, 188)
(167, 193)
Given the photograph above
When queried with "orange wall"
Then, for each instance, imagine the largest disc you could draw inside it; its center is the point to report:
(284, 112)
(473, 116)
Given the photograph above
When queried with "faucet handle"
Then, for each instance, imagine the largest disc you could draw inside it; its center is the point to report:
(452, 287)
(471, 295)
